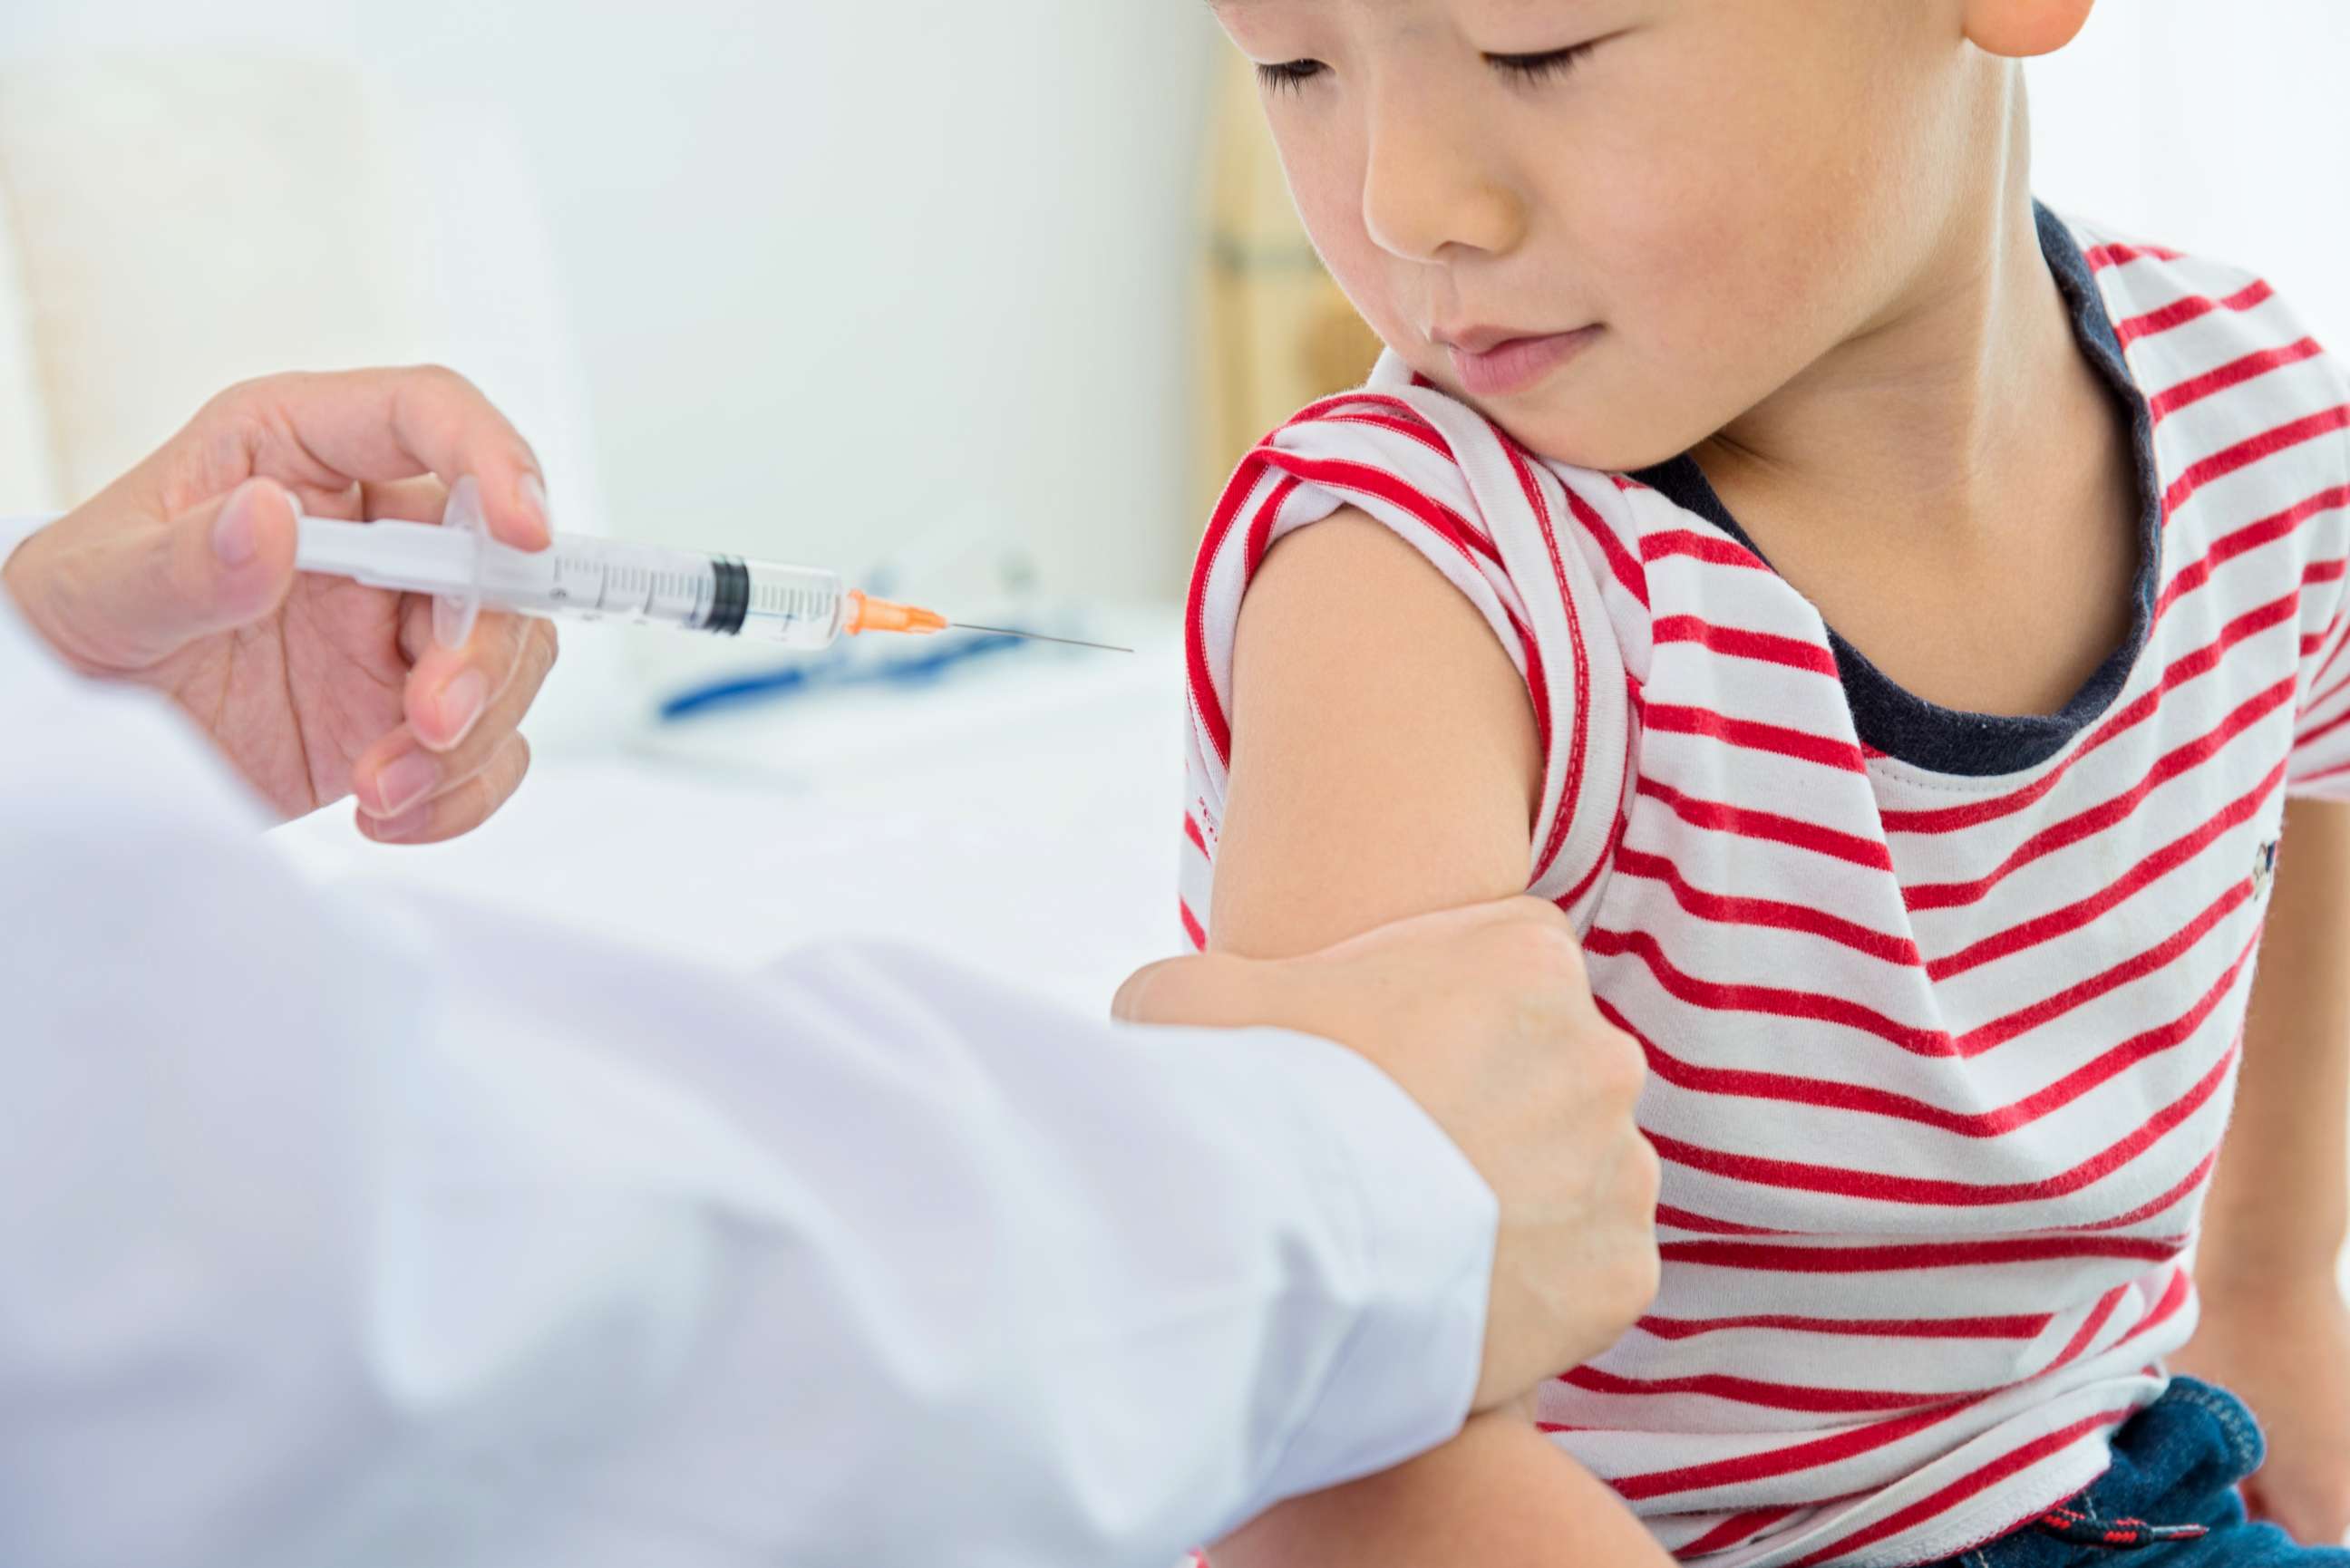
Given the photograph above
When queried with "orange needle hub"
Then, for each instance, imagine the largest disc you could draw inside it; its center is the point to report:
(879, 614)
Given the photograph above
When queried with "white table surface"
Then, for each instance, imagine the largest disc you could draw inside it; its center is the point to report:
(1022, 815)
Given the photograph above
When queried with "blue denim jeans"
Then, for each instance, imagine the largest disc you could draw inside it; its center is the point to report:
(2169, 1501)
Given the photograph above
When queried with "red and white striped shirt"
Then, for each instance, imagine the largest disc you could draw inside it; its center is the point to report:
(1943, 1011)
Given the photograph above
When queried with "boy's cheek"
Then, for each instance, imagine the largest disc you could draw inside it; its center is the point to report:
(1714, 297)
(1325, 184)
(1382, 289)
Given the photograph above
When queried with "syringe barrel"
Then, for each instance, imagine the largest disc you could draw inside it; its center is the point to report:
(580, 577)
(595, 578)
(799, 606)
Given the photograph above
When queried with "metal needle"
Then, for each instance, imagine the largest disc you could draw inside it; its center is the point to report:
(1037, 636)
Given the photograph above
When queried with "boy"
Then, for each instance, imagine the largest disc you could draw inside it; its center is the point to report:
(1891, 620)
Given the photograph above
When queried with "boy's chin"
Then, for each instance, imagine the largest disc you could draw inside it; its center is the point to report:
(1577, 420)
(1570, 429)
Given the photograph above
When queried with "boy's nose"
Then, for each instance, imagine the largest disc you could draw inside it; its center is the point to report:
(1426, 194)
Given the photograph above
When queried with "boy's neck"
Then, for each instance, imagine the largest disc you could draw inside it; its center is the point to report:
(1965, 393)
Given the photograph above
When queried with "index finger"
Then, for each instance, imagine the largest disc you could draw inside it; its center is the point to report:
(335, 428)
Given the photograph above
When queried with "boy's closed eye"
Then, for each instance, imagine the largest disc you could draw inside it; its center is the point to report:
(1720, 190)
(1525, 69)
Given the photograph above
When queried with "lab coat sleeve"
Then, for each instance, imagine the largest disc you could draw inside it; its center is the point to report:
(341, 1225)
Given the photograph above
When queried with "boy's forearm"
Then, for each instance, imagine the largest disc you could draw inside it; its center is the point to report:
(1500, 1495)
(2278, 1212)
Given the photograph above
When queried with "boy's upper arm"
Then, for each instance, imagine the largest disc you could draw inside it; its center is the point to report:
(1385, 760)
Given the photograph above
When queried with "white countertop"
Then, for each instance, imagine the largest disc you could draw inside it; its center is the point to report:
(1022, 814)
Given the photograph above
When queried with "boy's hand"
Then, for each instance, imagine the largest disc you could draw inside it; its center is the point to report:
(2284, 1349)
(1484, 1017)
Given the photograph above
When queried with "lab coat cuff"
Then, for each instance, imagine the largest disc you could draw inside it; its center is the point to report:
(1405, 1378)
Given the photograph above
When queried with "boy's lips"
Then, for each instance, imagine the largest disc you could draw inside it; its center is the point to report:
(1495, 363)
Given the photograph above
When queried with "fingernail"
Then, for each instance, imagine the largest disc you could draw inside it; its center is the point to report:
(1126, 1005)
(459, 703)
(404, 782)
(407, 824)
(532, 491)
(235, 538)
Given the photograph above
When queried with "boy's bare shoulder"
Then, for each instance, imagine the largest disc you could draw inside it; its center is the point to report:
(1373, 708)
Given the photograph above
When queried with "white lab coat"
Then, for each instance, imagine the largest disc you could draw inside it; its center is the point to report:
(344, 1226)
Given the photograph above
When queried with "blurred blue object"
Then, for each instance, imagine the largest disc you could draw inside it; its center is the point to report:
(838, 669)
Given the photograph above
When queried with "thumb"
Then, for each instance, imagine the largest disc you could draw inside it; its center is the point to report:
(1209, 991)
(223, 564)
(1131, 1005)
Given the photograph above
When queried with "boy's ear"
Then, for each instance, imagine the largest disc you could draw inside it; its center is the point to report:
(2021, 29)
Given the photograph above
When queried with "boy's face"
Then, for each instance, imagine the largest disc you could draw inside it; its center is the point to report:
(1666, 227)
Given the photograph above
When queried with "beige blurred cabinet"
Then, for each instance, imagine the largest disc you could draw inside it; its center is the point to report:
(1275, 333)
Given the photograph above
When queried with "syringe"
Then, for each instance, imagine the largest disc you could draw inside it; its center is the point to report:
(586, 579)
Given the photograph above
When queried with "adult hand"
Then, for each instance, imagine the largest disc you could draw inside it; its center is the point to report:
(1484, 1016)
(179, 577)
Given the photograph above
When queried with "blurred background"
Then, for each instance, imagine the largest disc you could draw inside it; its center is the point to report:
(976, 301)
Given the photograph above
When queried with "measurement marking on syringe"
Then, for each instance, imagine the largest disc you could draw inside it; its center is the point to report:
(590, 578)
(791, 604)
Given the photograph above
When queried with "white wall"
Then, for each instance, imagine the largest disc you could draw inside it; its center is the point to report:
(839, 271)
(844, 269)
(2217, 127)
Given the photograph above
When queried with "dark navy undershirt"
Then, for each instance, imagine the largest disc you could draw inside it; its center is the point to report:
(1946, 740)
